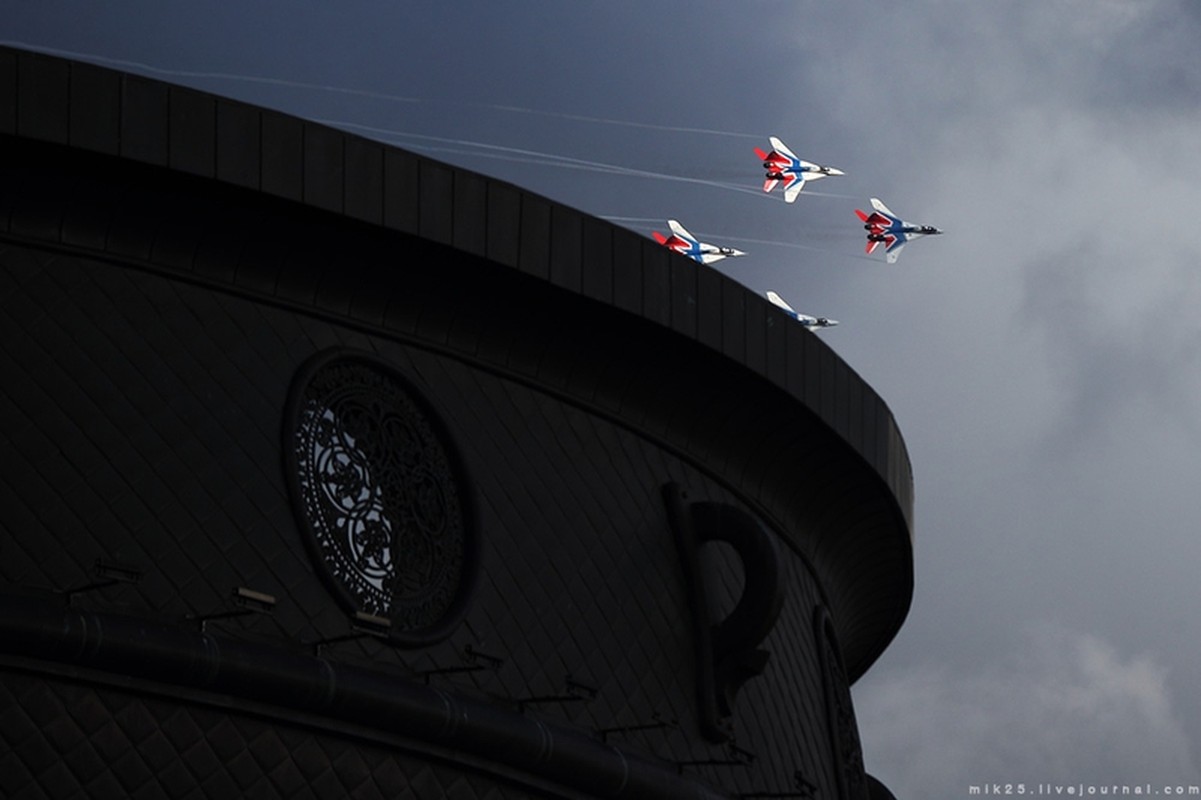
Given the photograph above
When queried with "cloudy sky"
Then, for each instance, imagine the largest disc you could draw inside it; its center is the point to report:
(1043, 358)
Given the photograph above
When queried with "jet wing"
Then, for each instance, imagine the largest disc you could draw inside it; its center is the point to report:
(781, 148)
(793, 188)
(679, 230)
(673, 243)
(883, 209)
(892, 245)
(874, 220)
(776, 300)
(787, 162)
(681, 240)
(775, 163)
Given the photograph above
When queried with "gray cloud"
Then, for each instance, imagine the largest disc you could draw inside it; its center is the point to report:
(1062, 708)
(1041, 357)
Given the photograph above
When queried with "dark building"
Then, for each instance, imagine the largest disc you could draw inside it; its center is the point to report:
(331, 470)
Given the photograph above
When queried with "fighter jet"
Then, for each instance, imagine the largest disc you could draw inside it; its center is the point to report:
(784, 167)
(885, 226)
(810, 323)
(686, 244)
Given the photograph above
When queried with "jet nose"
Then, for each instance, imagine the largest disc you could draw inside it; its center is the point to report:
(833, 171)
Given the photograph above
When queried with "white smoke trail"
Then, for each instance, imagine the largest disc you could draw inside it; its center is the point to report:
(626, 123)
(614, 218)
(232, 76)
(223, 76)
(649, 222)
(495, 151)
(776, 243)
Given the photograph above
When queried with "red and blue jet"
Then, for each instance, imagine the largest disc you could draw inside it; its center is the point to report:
(784, 167)
(686, 244)
(885, 227)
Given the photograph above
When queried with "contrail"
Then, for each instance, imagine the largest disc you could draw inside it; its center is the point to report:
(793, 245)
(522, 155)
(626, 123)
(567, 162)
(321, 87)
(541, 161)
(831, 194)
(717, 237)
(548, 159)
(224, 76)
(497, 151)
(613, 218)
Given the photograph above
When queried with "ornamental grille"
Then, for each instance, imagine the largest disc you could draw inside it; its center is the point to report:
(377, 493)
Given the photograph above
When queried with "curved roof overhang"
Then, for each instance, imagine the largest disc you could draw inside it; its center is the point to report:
(676, 351)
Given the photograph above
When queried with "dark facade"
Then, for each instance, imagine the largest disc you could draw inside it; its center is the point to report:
(334, 470)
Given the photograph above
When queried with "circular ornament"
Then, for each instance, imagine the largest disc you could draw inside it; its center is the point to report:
(380, 495)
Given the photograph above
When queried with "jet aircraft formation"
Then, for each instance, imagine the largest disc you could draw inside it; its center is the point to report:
(785, 169)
